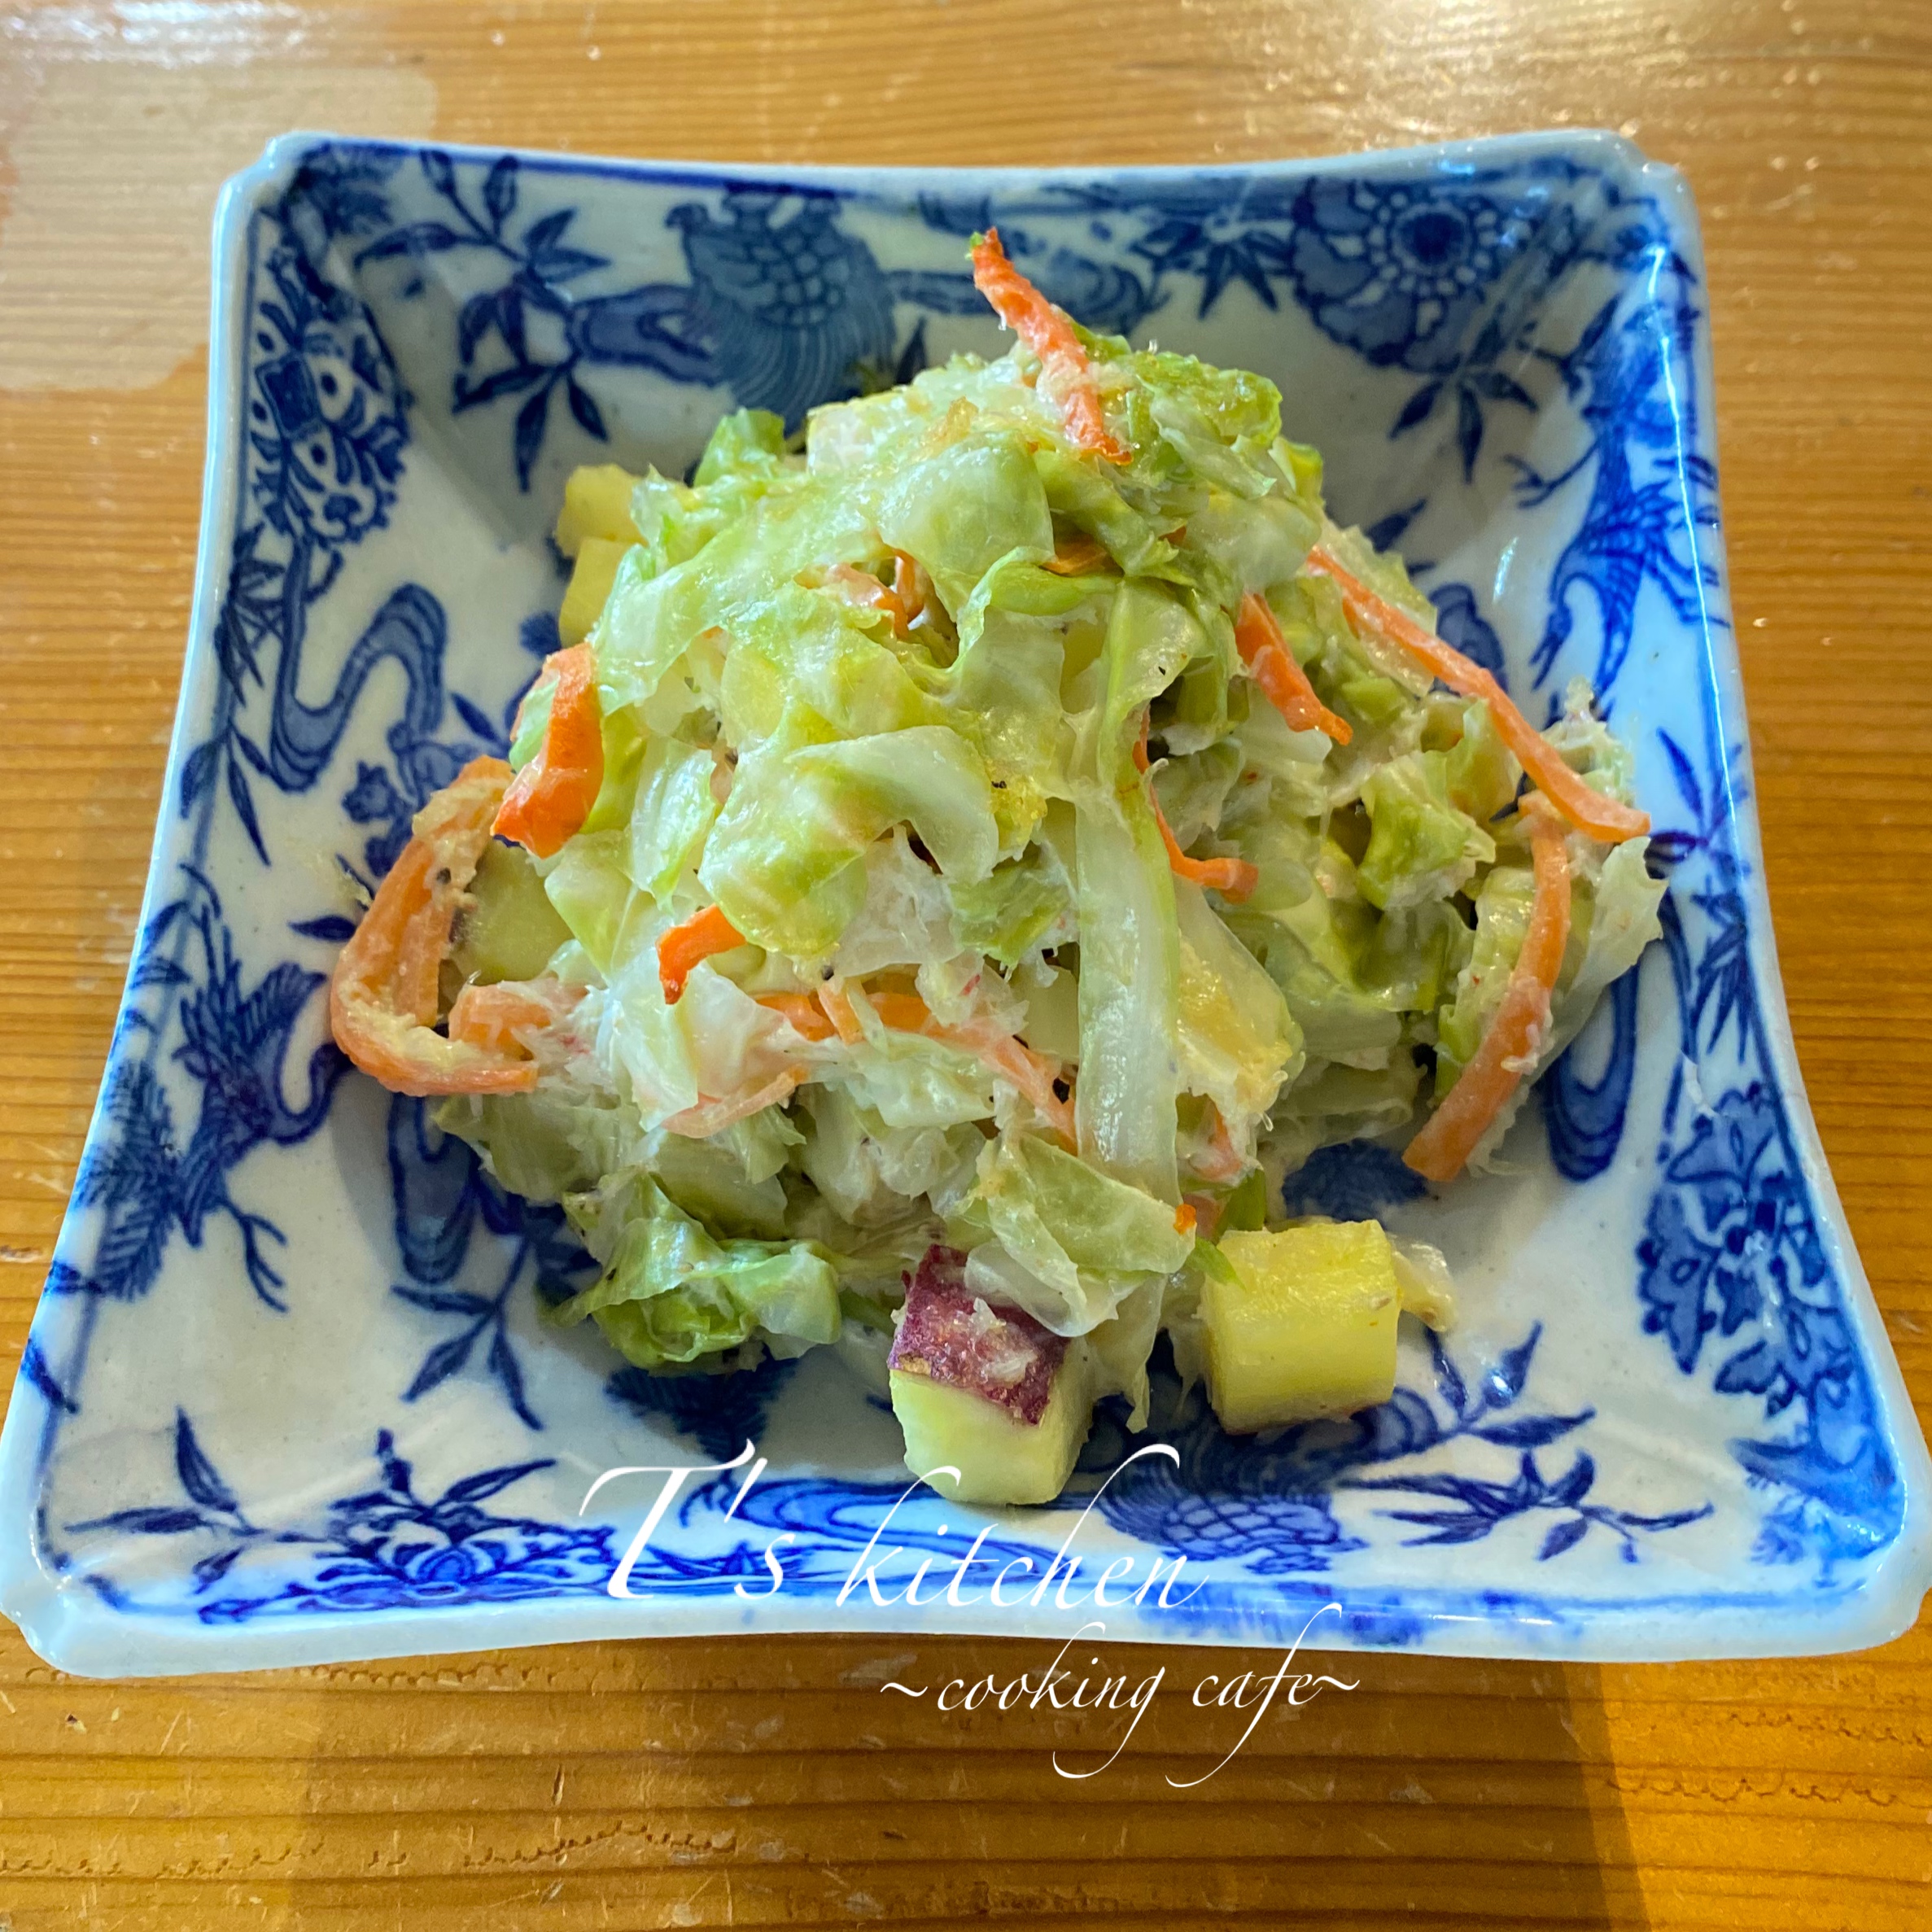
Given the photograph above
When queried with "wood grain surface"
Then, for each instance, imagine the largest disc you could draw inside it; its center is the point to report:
(768, 1782)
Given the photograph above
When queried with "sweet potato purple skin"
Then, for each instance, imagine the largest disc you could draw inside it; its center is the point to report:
(947, 1333)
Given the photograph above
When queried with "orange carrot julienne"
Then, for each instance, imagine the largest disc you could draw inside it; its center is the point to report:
(1185, 1218)
(1031, 1074)
(1079, 556)
(801, 1012)
(551, 796)
(1222, 1161)
(1051, 335)
(497, 1016)
(861, 587)
(684, 945)
(1271, 664)
(903, 1012)
(1234, 878)
(1515, 1036)
(838, 1010)
(382, 993)
(1207, 1214)
(911, 585)
(708, 1117)
(1586, 808)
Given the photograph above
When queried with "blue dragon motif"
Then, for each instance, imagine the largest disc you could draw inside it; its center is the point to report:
(234, 1045)
(328, 423)
(1730, 1249)
(1621, 372)
(791, 310)
(784, 312)
(322, 463)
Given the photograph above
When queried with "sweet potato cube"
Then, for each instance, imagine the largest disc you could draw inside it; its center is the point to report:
(986, 1391)
(1310, 1328)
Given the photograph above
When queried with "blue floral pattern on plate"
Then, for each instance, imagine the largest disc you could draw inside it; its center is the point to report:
(1681, 1434)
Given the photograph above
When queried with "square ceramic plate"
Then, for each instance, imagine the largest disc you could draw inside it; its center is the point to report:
(287, 1398)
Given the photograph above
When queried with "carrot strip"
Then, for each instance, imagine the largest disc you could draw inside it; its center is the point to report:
(1185, 1220)
(382, 993)
(712, 1117)
(1081, 556)
(911, 586)
(903, 1012)
(1047, 330)
(1234, 878)
(838, 1010)
(551, 796)
(1587, 809)
(1271, 664)
(1515, 1036)
(1222, 1162)
(855, 586)
(801, 1012)
(497, 1016)
(1031, 1074)
(1207, 1214)
(683, 946)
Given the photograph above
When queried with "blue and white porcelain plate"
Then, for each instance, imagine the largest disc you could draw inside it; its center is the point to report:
(287, 1398)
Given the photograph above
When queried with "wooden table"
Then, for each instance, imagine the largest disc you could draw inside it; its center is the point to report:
(762, 1782)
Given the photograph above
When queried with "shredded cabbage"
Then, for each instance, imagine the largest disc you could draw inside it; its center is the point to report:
(943, 715)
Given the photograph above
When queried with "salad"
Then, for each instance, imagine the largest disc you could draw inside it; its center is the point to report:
(962, 859)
